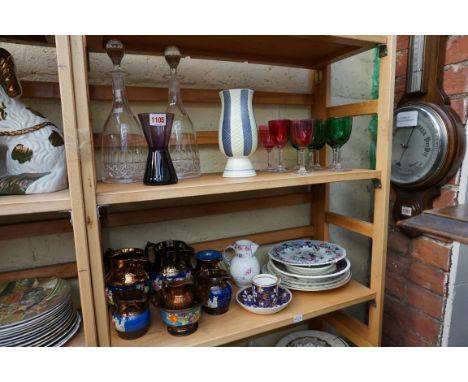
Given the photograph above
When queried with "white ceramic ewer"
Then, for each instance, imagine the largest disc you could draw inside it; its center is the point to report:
(237, 132)
(243, 265)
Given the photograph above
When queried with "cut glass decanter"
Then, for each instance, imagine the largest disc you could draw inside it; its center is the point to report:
(183, 146)
(123, 146)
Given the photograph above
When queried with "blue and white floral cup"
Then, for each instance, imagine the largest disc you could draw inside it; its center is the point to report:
(265, 290)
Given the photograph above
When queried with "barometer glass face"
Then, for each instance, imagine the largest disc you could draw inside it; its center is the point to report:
(419, 145)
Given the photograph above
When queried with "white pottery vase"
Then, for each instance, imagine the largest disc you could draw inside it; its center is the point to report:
(237, 132)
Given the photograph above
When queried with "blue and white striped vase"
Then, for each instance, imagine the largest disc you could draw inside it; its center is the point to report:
(237, 132)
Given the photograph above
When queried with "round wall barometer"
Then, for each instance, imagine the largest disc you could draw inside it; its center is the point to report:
(428, 137)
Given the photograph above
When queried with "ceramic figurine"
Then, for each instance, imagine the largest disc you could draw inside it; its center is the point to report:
(128, 270)
(237, 135)
(214, 291)
(243, 266)
(131, 317)
(34, 161)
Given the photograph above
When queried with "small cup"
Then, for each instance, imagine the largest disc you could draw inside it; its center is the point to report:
(265, 290)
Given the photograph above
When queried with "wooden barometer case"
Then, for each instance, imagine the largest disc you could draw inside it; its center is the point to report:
(428, 136)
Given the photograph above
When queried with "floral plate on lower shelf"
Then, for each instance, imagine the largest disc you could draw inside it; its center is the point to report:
(245, 299)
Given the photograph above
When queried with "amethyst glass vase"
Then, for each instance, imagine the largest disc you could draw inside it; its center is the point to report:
(159, 167)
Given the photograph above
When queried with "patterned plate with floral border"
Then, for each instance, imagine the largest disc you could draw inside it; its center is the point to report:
(311, 338)
(307, 252)
(245, 299)
(26, 299)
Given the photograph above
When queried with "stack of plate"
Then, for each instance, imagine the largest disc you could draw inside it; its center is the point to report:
(312, 338)
(37, 312)
(309, 265)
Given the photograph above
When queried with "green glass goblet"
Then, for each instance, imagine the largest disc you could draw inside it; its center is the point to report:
(338, 131)
(319, 139)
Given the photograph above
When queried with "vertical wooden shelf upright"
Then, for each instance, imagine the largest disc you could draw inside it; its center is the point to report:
(313, 52)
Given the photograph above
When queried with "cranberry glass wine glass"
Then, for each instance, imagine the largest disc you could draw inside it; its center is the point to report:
(338, 133)
(279, 130)
(301, 135)
(267, 142)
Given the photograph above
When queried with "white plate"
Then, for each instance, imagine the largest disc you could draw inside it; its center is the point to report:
(311, 338)
(341, 267)
(307, 252)
(258, 310)
(317, 288)
(311, 271)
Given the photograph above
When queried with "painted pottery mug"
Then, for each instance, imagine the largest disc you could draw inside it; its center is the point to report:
(265, 290)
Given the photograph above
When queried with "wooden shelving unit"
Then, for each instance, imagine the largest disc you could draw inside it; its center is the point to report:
(35, 203)
(237, 323)
(213, 184)
(86, 195)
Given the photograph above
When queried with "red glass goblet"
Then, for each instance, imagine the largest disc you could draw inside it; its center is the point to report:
(279, 131)
(267, 142)
(301, 136)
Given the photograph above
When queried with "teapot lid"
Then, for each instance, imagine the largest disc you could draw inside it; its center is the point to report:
(209, 254)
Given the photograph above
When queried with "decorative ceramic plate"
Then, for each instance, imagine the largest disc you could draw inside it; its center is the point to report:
(311, 271)
(311, 338)
(24, 300)
(245, 298)
(71, 332)
(279, 269)
(320, 287)
(59, 332)
(33, 324)
(310, 282)
(307, 252)
(46, 327)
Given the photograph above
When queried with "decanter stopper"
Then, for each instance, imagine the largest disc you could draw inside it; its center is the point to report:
(172, 55)
(115, 50)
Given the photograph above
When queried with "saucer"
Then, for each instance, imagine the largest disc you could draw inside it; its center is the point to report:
(245, 298)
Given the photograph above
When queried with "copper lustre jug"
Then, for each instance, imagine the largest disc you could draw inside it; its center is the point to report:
(126, 269)
(178, 294)
(170, 260)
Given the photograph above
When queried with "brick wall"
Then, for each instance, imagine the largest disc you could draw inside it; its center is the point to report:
(418, 269)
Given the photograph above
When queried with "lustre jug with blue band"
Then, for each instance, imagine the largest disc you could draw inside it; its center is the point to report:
(237, 135)
(131, 316)
(126, 269)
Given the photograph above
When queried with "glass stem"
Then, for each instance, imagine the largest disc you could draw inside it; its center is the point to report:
(280, 158)
(302, 160)
(316, 154)
(335, 156)
(268, 159)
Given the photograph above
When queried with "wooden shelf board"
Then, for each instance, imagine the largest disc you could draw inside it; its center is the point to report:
(34, 203)
(300, 51)
(210, 184)
(238, 323)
